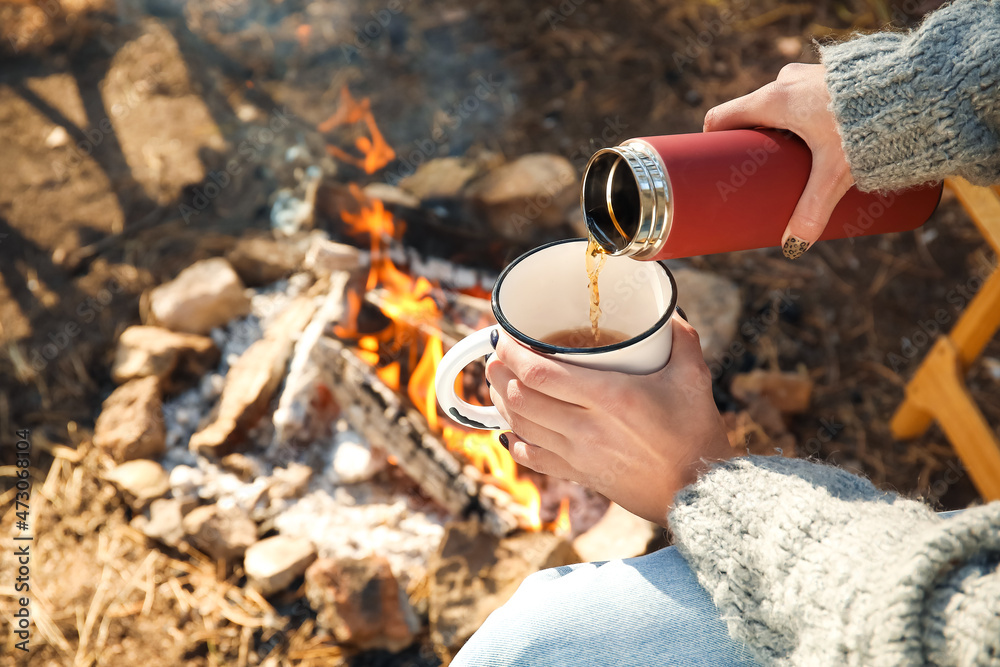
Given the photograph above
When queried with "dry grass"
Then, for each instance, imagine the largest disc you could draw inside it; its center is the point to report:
(101, 595)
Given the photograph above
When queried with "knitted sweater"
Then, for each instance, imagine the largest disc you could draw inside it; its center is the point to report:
(916, 107)
(810, 565)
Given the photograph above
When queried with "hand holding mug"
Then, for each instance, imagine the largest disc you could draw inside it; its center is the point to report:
(637, 439)
(617, 418)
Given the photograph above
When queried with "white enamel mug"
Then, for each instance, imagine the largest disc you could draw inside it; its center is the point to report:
(545, 291)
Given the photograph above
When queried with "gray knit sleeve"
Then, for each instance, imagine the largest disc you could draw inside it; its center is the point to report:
(916, 107)
(810, 565)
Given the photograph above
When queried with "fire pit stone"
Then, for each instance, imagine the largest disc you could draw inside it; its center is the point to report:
(130, 425)
(534, 192)
(274, 563)
(203, 296)
(144, 351)
(140, 481)
(361, 603)
(223, 533)
(474, 572)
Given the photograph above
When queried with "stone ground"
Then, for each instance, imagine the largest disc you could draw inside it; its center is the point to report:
(119, 122)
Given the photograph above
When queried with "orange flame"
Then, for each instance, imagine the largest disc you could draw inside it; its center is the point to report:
(375, 151)
(405, 301)
(562, 525)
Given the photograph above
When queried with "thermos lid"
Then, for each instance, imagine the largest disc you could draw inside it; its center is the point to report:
(626, 199)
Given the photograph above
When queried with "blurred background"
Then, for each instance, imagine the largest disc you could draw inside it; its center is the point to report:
(137, 137)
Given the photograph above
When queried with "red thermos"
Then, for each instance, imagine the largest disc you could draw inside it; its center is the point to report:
(698, 194)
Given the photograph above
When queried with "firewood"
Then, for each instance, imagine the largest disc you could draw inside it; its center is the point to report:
(381, 416)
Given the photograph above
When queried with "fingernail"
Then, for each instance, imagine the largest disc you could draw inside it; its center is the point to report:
(504, 441)
(494, 338)
(680, 311)
(794, 247)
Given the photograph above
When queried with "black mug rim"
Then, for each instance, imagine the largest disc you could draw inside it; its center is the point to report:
(557, 349)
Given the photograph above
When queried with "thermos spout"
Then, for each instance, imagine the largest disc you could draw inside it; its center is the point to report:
(625, 198)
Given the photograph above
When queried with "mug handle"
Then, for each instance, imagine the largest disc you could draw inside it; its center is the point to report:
(467, 350)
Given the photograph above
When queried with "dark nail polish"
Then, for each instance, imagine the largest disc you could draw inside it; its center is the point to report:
(504, 441)
(680, 311)
(794, 247)
(494, 338)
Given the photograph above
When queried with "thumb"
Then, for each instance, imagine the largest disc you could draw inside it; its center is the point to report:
(685, 351)
(829, 180)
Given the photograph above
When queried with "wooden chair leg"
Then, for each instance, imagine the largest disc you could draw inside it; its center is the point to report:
(937, 391)
(947, 400)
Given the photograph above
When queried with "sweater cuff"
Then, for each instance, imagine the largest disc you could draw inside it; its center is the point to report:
(810, 564)
(917, 107)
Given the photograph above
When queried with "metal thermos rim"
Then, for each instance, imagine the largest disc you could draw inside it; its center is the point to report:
(627, 211)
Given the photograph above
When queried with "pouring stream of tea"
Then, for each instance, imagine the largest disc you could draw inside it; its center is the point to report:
(595, 261)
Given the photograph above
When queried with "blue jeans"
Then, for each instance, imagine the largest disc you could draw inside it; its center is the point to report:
(637, 612)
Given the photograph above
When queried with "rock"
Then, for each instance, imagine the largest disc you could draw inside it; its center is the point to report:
(533, 191)
(57, 138)
(290, 482)
(788, 392)
(252, 382)
(440, 178)
(145, 351)
(473, 573)
(325, 257)
(203, 296)
(221, 533)
(619, 534)
(712, 304)
(351, 460)
(261, 260)
(789, 47)
(361, 603)
(390, 194)
(185, 481)
(240, 465)
(165, 523)
(130, 425)
(274, 563)
(141, 481)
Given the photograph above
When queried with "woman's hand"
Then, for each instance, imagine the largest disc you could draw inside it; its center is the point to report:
(637, 439)
(797, 101)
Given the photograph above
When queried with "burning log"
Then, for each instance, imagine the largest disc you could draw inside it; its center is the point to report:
(376, 411)
(449, 332)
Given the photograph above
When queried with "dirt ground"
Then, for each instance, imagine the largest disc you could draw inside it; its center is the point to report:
(156, 98)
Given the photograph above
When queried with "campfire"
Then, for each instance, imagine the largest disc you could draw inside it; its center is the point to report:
(310, 446)
(408, 350)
